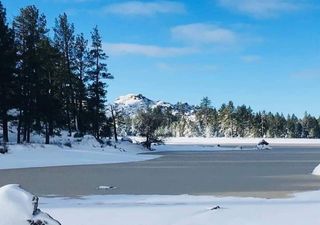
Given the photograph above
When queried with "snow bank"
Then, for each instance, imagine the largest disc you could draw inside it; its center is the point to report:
(316, 171)
(37, 155)
(18, 207)
(303, 209)
(241, 141)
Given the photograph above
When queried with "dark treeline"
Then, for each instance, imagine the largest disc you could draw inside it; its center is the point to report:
(183, 120)
(50, 82)
(241, 121)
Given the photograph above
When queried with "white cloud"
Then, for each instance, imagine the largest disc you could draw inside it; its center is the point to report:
(251, 58)
(261, 8)
(145, 8)
(201, 33)
(195, 38)
(146, 50)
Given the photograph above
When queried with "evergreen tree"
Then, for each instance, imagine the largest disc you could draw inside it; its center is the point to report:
(64, 40)
(30, 30)
(310, 127)
(7, 70)
(291, 126)
(243, 121)
(81, 54)
(206, 116)
(227, 119)
(50, 105)
(96, 75)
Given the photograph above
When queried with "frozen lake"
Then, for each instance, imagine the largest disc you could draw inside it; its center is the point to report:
(274, 173)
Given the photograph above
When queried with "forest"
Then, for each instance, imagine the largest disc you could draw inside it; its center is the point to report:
(50, 82)
(204, 120)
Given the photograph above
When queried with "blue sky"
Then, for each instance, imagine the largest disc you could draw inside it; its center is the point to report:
(262, 53)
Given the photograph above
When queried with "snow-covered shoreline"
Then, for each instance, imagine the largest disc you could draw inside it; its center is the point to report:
(302, 209)
(242, 141)
(17, 209)
(39, 155)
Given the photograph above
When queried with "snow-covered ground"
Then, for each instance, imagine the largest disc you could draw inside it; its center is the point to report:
(226, 144)
(19, 207)
(39, 155)
(303, 209)
(241, 141)
(316, 171)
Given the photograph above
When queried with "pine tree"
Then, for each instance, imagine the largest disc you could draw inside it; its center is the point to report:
(50, 105)
(96, 75)
(227, 119)
(64, 40)
(243, 121)
(30, 30)
(7, 69)
(81, 64)
(206, 116)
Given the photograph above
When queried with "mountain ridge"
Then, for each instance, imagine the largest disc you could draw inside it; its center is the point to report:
(131, 103)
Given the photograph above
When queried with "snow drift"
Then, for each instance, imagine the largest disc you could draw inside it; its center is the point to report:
(316, 171)
(19, 207)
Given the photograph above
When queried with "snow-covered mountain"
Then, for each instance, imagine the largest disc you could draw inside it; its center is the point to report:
(130, 104)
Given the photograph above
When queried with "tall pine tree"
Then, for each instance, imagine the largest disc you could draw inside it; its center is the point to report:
(64, 40)
(96, 76)
(7, 69)
(81, 54)
(30, 31)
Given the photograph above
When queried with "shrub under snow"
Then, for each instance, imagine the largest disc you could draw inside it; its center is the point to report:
(19, 207)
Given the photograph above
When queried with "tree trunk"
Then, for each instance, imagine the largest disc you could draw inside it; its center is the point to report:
(50, 127)
(24, 130)
(114, 125)
(68, 118)
(80, 126)
(5, 126)
(19, 129)
(47, 134)
(148, 144)
(28, 133)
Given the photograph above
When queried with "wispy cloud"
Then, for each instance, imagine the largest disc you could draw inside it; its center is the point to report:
(251, 58)
(194, 38)
(202, 34)
(262, 8)
(146, 50)
(145, 8)
(307, 74)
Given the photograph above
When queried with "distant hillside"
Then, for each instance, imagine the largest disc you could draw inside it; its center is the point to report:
(130, 104)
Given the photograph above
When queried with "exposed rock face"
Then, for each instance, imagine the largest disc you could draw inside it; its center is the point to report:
(19, 207)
